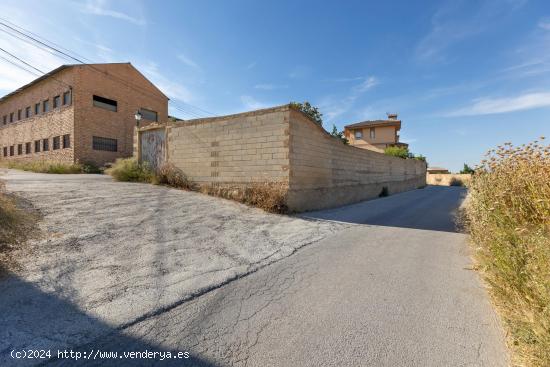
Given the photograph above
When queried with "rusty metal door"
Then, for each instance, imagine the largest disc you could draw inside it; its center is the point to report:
(153, 147)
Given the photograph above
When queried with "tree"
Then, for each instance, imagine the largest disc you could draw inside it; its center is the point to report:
(401, 152)
(339, 135)
(309, 110)
(467, 169)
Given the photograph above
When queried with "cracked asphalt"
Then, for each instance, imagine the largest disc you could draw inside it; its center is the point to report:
(385, 283)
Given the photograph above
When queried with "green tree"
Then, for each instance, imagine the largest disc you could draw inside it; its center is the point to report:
(309, 110)
(339, 135)
(401, 152)
(467, 169)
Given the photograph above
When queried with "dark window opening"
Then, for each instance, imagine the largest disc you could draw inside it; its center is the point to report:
(37, 146)
(105, 103)
(5, 119)
(45, 106)
(28, 112)
(5, 151)
(37, 108)
(45, 145)
(56, 101)
(28, 148)
(18, 115)
(11, 117)
(106, 144)
(149, 114)
(66, 141)
(11, 151)
(56, 143)
(66, 98)
(19, 149)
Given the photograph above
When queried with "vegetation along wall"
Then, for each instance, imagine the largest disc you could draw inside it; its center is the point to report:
(283, 145)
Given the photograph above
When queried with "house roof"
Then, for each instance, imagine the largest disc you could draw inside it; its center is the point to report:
(63, 67)
(437, 169)
(372, 123)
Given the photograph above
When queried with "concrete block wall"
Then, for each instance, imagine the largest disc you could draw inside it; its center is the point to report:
(326, 173)
(232, 150)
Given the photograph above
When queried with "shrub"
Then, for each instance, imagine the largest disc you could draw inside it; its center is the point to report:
(401, 152)
(508, 216)
(269, 196)
(128, 169)
(455, 181)
(467, 169)
(45, 166)
(308, 109)
(170, 175)
(90, 168)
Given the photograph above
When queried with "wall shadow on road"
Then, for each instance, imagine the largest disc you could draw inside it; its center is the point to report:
(432, 208)
(33, 319)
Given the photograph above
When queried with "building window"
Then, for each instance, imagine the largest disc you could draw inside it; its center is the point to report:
(105, 103)
(11, 151)
(358, 134)
(45, 145)
(18, 115)
(28, 112)
(5, 151)
(372, 133)
(28, 148)
(107, 144)
(11, 117)
(56, 143)
(37, 109)
(45, 106)
(66, 141)
(19, 149)
(5, 119)
(66, 98)
(149, 114)
(56, 101)
(37, 146)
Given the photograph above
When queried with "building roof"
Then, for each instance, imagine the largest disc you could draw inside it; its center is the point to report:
(57, 70)
(437, 169)
(373, 123)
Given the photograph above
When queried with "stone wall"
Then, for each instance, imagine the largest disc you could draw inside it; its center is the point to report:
(326, 173)
(283, 145)
(447, 179)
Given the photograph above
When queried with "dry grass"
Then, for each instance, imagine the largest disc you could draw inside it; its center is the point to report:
(171, 175)
(17, 224)
(269, 196)
(51, 167)
(129, 170)
(508, 216)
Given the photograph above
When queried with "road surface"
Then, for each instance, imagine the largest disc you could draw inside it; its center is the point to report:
(393, 289)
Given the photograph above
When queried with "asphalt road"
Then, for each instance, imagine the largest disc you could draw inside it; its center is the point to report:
(394, 289)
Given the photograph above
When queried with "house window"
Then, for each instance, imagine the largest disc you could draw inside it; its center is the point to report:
(105, 103)
(45, 145)
(28, 112)
(37, 146)
(56, 101)
(19, 149)
(5, 119)
(28, 148)
(18, 115)
(11, 151)
(149, 114)
(5, 151)
(55, 143)
(107, 144)
(11, 117)
(372, 133)
(66, 141)
(66, 98)
(37, 108)
(45, 106)
(358, 134)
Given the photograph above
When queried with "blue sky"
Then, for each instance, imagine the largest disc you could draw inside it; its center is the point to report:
(464, 76)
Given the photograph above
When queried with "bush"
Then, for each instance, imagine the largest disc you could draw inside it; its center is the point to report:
(91, 168)
(44, 166)
(170, 175)
(129, 170)
(269, 196)
(455, 181)
(508, 216)
(401, 152)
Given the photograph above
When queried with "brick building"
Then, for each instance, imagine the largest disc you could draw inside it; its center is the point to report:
(78, 113)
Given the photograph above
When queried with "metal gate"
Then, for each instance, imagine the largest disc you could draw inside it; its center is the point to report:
(153, 147)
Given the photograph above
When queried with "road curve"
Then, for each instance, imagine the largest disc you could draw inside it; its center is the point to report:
(395, 289)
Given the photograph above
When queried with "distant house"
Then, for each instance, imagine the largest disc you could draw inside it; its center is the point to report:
(375, 134)
(435, 170)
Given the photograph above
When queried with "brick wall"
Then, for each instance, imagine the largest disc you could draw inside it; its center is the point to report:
(283, 145)
(56, 122)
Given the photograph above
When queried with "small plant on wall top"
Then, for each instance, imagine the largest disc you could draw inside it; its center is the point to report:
(309, 110)
(339, 135)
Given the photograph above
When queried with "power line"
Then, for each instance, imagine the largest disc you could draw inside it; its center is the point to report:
(128, 84)
(18, 66)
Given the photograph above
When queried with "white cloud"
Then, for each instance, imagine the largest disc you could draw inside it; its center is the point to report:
(169, 87)
(487, 106)
(251, 65)
(250, 103)
(187, 61)
(367, 84)
(270, 86)
(100, 7)
(545, 24)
